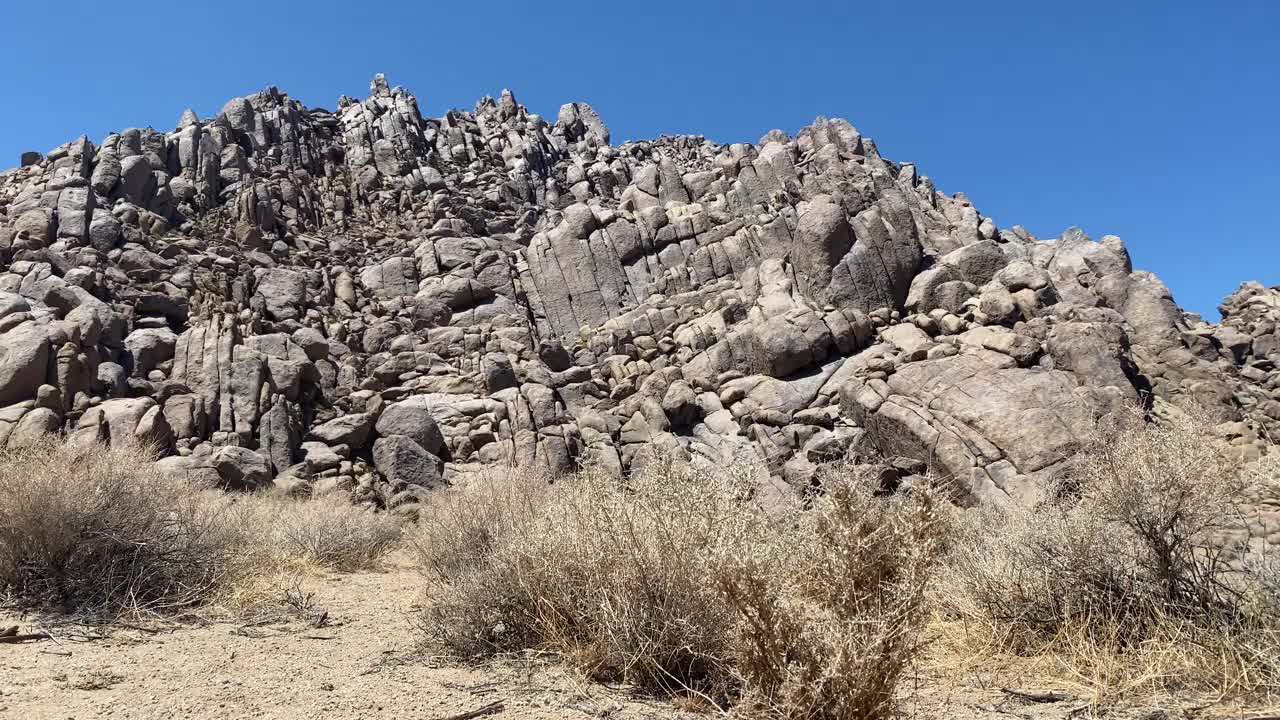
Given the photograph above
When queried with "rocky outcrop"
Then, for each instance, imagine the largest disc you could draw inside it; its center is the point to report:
(372, 301)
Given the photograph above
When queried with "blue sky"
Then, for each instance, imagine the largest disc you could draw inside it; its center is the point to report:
(1155, 121)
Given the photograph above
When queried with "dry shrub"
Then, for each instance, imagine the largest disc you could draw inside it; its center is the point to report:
(678, 580)
(326, 531)
(283, 543)
(100, 528)
(832, 620)
(1128, 573)
(616, 578)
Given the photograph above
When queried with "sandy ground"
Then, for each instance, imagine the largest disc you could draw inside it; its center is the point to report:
(361, 663)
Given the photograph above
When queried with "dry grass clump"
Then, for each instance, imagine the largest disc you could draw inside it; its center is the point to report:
(678, 580)
(100, 529)
(326, 531)
(829, 617)
(284, 542)
(616, 578)
(1128, 575)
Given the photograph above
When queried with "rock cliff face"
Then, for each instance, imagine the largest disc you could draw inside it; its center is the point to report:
(374, 301)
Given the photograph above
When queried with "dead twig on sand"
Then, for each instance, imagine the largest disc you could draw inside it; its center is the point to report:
(1048, 696)
(490, 709)
(25, 637)
(139, 628)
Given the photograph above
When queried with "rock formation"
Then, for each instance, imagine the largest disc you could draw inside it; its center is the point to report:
(374, 301)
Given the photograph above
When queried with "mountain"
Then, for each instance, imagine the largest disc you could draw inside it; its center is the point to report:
(370, 300)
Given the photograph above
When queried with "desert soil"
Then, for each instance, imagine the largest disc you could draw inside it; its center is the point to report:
(362, 663)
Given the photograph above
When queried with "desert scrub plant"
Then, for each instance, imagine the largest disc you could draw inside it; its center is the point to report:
(1130, 568)
(98, 528)
(677, 579)
(283, 543)
(614, 577)
(327, 531)
(829, 616)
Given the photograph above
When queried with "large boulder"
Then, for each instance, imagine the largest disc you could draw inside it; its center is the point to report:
(412, 418)
(240, 468)
(823, 237)
(24, 362)
(350, 430)
(281, 292)
(401, 461)
(394, 277)
(997, 431)
(879, 269)
(34, 426)
(148, 348)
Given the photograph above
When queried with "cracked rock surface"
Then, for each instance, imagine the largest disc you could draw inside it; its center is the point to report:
(371, 301)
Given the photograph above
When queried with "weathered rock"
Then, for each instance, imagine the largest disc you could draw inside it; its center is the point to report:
(412, 418)
(241, 469)
(24, 362)
(34, 425)
(351, 430)
(148, 348)
(282, 293)
(289, 291)
(404, 462)
(680, 403)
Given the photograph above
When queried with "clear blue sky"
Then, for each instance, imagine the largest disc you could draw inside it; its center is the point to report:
(1155, 121)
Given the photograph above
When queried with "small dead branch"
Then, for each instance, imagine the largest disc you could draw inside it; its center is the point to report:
(1048, 696)
(492, 708)
(996, 709)
(139, 628)
(25, 637)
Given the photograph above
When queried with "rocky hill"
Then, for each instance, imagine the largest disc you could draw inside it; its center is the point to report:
(371, 300)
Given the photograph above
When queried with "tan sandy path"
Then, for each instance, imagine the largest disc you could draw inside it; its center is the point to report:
(362, 664)
(365, 668)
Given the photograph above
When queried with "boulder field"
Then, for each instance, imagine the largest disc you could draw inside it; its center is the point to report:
(371, 301)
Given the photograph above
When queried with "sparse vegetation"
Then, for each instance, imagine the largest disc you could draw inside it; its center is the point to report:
(325, 531)
(1130, 573)
(679, 580)
(100, 529)
(828, 618)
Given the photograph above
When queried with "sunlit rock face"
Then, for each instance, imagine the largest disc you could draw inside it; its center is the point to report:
(372, 301)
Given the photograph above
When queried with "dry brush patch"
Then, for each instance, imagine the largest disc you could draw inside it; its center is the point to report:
(100, 530)
(1127, 578)
(677, 580)
(284, 542)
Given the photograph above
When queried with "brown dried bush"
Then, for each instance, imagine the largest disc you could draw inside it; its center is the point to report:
(678, 580)
(325, 531)
(830, 618)
(1131, 569)
(99, 528)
